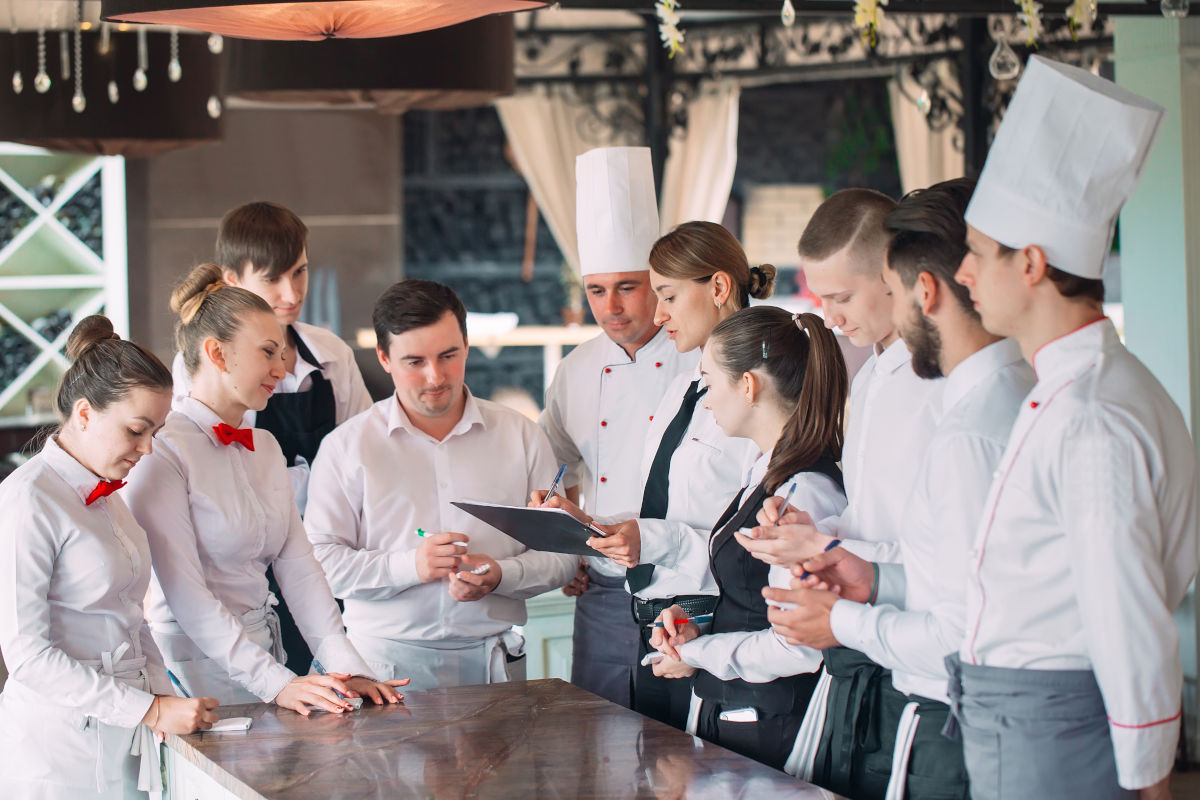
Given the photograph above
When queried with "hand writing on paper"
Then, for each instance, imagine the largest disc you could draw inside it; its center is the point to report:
(623, 544)
(315, 690)
(838, 570)
(806, 624)
(378, 691)
(673, 634)
(537, 499)
(466, 586)
(784, 544)
(579, 583)
(776, 511)
(437, 557)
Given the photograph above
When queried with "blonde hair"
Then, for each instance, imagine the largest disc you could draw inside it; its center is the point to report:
(698, 250)
(209, 307)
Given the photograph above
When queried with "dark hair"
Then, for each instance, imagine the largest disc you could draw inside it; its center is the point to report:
(802, 360)
(208, 306)
(105, 367)
(265, 237)
(849, 218)
(414, 303)
(929, 234)
(1068, 285)
(698, 250)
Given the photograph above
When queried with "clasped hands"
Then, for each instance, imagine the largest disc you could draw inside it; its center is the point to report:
(443, 555)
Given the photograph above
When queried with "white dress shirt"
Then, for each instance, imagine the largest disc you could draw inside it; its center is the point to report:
(378, 478)
(892, 415)
(217, 516)
(74, 579)
(1089, 540)
(598, 409)
(707, 469)
(980, 401)
(763, 656)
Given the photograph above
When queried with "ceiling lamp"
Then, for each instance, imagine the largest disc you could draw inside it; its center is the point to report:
(309, 20)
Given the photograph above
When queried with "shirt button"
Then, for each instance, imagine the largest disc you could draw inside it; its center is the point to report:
(607, 370)
(443, 484)
(652, 418)
(603, 423)
(1033, 403)
(658, 363)
(995, 474)
(603, 479)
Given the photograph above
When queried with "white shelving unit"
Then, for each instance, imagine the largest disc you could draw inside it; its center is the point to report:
(45, 267)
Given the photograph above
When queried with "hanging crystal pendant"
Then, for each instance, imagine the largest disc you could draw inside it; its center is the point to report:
(214, 106)
(18, 82)
(924, 102)
(114, 92)
(140, 79)
(78, 101)
(788, 14)
(174, 68)
(1004, 64)
(64, 55)
(1175, 9)
(41, 81)
(216, 43)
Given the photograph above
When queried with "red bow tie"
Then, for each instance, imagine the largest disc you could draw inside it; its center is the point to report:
(103, 489)
(227, 434)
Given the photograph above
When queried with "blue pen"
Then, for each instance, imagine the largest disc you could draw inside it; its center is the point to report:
(561, 471)
(696, 619)
(828, 547)
(320, 670)
(177, 684)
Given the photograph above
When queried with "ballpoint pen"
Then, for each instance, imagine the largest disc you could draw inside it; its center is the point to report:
(175, 682)
(696, 619)
(561, 471)
(828, 547)
(786, 499)
(354, 701)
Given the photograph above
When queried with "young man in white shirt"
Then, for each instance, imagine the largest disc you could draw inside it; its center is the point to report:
(602, 400)
(1070, 676)
(429, 590)
(986, 381)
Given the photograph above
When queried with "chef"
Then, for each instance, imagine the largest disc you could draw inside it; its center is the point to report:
(1089, 536)
(604, 394)
(429, 590)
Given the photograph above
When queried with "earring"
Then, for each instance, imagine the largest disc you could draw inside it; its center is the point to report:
(718, 303)
(83, 426)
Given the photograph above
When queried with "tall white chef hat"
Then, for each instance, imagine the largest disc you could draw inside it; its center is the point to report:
(616, 213)
(1067, 156)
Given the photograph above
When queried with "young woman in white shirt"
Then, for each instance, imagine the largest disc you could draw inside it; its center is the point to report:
(779, 380)
(218, 506)
(87, 686)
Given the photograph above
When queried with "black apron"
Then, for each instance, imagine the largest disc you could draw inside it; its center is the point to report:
(298, 421)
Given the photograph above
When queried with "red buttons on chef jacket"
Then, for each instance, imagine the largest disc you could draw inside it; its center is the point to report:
(603, 423)
(652, 418)
(658, 363)
(1033, 403)
(603, 479)
(607, 370)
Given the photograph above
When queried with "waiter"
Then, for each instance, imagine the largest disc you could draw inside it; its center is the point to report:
(1088, 541)
(263, 247)
(604, 393)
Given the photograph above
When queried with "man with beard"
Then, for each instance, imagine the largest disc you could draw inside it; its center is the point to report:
(603, 397)
(430, 591)
(986, 381)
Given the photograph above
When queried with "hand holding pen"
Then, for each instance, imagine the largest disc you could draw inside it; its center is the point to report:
(439, 554)
(785, 537)
(674, 628)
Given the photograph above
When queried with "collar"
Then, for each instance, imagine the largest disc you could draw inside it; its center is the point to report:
(894, 357)
(81, 479)
(758, 470)
(398, 419)
(652, 350)
(201, 416)
(975, 368)
(1075, 350)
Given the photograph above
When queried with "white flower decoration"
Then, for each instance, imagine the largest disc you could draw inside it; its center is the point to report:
(868, 16)
(668, 25)
(1031, 18)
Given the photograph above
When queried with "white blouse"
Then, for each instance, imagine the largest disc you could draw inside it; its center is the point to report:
(74, 579)
(217, 516)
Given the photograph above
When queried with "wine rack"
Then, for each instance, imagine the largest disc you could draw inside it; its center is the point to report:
(62, 257)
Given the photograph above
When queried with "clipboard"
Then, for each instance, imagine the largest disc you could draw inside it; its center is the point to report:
(550, 530)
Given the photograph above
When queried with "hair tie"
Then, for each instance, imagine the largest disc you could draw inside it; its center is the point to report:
(800, 325)
(758, 279)
(192, 307)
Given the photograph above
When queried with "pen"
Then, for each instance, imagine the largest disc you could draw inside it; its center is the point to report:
(786, 499)
(697, 619)
(561, 471)
(320, 670)
(828, 547)
(177, 684)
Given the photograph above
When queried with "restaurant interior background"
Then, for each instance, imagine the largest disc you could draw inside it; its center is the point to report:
(448, 154)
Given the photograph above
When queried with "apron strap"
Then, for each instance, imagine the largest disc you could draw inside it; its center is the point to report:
(906, 733)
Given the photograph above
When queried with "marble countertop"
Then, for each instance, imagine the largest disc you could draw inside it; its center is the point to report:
(536, 739)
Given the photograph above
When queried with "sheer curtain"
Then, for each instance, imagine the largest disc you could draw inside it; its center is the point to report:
(926, 157)
(698, 175)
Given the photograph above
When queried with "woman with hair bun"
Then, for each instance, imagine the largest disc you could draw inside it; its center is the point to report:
(87, 687)
(691, 469)
(218, 506)
(777, 379)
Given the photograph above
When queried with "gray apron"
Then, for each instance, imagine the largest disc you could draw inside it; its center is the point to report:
(1033, 733)
(605, 643)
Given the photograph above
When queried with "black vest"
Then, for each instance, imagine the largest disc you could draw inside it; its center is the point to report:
(300, 420)
(741, 607)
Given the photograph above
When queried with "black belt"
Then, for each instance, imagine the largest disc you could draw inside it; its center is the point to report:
(646, 611)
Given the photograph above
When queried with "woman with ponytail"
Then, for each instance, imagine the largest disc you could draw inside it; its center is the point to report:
(219, 509)
(779, 380)
(87, 689)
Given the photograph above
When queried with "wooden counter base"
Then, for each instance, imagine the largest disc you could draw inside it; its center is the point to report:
(510, 740)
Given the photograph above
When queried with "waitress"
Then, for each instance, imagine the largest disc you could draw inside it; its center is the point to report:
(217, 504)
(700, 275)
(263, 247)
(779, 380)
(87, 685)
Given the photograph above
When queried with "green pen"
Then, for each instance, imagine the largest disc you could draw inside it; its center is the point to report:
(420, 531)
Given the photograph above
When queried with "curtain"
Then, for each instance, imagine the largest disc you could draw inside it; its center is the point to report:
(926, 157)
(698, 175)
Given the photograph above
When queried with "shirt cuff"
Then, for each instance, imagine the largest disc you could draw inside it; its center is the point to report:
(402, 566)
(893, 586)
(657, 542)
(846, 621)
(133, 710)
(337, 654)
(512, 572)
(273, 683)
(1144, 755)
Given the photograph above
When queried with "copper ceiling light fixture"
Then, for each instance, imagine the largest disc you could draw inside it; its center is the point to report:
(309, 20)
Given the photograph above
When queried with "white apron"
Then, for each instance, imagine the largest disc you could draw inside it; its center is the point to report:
(56, 752)
(430, 665)
(202, 676)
